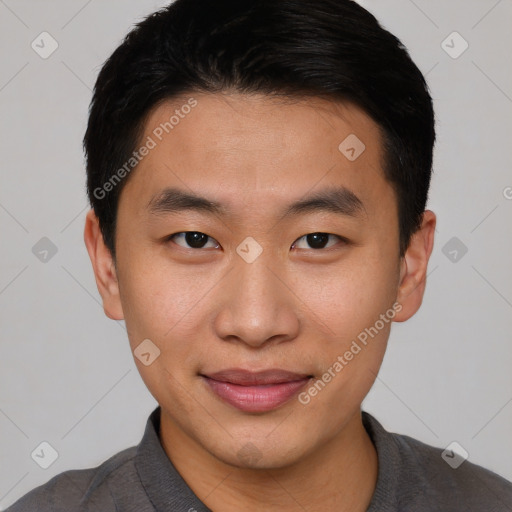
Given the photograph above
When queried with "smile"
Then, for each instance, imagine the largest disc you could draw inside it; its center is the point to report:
(256, 391)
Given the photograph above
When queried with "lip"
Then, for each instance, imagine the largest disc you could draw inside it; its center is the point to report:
(261, 391)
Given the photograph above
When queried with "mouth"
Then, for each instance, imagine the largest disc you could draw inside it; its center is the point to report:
(255, 391)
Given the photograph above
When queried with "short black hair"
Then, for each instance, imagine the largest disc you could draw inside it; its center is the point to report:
(333, 49)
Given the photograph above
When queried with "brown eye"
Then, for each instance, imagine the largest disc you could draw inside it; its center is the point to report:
(317, 241)
(192, 239)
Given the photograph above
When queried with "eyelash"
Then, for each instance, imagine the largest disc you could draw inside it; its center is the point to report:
(171, 237)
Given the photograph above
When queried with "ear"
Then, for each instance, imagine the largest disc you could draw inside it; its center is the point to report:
(413, 268)
(103, 266)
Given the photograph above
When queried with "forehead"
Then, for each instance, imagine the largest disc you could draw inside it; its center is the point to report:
(250, 151)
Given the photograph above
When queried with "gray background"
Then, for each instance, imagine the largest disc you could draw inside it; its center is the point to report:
(67, 375)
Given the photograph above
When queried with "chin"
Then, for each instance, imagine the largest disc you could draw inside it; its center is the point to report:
(259, 453)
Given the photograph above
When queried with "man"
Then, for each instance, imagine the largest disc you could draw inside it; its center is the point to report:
(258, 174)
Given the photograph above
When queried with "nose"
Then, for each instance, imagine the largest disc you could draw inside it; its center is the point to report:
(257, 305)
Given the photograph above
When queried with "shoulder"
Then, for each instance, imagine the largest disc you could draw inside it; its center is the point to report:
(425, 477)
(82, 489)
(443, 471)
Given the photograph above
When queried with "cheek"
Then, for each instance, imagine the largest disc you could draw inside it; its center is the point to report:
(157, 296)
(350, 304)
(165, 304)
(349, 297)
(157, 307)
(348, 366)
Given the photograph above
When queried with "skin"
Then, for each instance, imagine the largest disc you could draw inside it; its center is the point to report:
(295, 307)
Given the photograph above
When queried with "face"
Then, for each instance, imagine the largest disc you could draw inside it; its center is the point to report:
(261, 293)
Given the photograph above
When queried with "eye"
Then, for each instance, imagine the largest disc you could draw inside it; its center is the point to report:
(317, 240)
(194, 239)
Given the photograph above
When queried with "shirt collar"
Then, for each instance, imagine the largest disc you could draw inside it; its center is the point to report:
(384, 496)
(163, 484)
(167, 490)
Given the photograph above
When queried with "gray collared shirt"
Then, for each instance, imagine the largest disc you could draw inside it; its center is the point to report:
(412, 477)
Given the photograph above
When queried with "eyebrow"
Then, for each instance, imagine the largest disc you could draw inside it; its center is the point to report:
(338, 200)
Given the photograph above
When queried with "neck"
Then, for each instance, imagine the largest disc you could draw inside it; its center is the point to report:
(340, 476)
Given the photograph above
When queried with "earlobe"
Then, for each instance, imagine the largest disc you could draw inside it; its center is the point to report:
(413, 268)
(103, 266)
